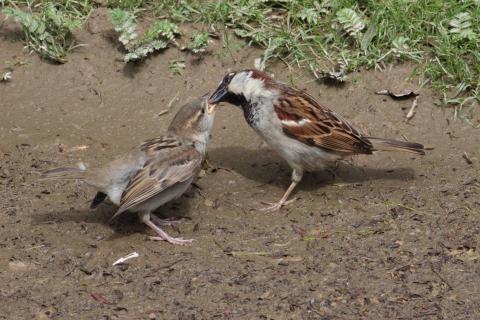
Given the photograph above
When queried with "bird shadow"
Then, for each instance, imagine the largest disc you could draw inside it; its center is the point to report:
(132, 68)
(126, 224)
(266, 167)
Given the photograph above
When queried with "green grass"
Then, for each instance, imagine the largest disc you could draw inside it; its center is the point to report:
(73, 8)
(333, 38)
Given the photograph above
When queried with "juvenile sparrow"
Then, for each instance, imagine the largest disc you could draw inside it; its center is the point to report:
(156, 171)
(307, 135)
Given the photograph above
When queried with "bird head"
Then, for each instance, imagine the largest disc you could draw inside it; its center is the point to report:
(194, 120)
(243, 86)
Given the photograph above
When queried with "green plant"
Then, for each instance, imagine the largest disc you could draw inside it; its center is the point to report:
(49, 32)
(461, 26)
(176, 66)
(158, 36)
(127, 4)
(351, 21)
(199, 43)
(333, 38)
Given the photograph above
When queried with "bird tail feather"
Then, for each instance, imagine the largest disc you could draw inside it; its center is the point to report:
(66, 173)
(395, 145)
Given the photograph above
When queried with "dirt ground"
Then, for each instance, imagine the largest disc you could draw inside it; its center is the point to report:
(392, 236)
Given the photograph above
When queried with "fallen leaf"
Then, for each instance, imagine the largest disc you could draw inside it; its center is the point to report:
(6, 76)
(397, 96)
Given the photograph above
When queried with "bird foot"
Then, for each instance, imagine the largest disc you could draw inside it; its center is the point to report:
(162, 235)
(272, 207)
(172, 240)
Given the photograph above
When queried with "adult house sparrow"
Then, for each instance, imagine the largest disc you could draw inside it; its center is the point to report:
(156, 171)
(307, 135)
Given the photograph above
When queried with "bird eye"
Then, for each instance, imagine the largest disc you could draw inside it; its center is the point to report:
(228, 78)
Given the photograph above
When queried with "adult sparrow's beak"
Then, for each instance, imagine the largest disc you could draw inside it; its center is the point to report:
(219, 94)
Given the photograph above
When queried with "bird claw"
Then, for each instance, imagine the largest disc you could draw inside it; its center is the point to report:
(172, 240)
(272, 207)
(275, 206)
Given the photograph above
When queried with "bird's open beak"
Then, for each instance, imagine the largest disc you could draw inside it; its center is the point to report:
(219, 94)
(211, 108)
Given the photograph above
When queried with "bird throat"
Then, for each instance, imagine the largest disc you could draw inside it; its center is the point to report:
(250, 112)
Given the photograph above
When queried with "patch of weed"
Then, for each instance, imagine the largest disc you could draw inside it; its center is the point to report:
(176, 66)
(199, 43)
(333, 38)
(48, 32)
(157, 37)
(127, 4)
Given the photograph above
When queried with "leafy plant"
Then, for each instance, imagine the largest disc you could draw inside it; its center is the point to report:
(461, 26)
(351, 21)
(157, 37)
(176, 66)
(309, 15)
(199, 43)
(334, 37)
(127, 4)
(49, 32)
(124, 23)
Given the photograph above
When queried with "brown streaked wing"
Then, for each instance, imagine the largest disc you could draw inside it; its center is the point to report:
(323, 128)
(152, 146)
(159, 174)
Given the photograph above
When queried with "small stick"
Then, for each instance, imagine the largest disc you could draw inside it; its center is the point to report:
(35, 247)
(127, 257)
(99, 298)
(411, 112)
(467, 158)
(169, 106)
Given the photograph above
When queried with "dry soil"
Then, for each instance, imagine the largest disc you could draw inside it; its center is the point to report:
(389, 236)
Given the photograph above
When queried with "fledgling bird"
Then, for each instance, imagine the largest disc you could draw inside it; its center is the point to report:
(156, 171)
(308, 135)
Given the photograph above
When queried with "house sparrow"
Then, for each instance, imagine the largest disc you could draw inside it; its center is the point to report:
(306, 134)
(156, 171)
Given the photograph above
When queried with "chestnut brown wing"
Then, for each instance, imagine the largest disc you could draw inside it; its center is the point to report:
(305, 120)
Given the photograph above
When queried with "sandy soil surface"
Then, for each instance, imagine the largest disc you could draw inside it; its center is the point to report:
(392, 236)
